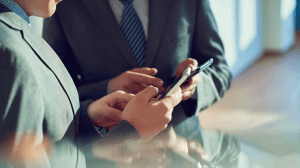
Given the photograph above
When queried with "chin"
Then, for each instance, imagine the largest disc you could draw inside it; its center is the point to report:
(47, 9)
(45, 13)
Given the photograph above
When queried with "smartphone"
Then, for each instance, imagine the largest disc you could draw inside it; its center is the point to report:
(199, 69)
(184, 77)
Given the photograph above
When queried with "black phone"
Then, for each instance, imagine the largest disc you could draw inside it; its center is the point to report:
(199, 69)
(184, 77)
(177, 83)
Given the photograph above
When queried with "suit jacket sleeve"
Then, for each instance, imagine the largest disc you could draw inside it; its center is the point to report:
(206, 44)
(55, 37)
(21, 110)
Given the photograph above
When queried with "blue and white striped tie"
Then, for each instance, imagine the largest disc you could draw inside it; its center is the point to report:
(133, 31)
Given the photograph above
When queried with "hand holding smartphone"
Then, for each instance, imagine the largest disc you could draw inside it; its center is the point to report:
(184, 77)
(170, 90)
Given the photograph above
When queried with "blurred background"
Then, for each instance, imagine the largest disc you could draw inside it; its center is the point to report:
(262, 108)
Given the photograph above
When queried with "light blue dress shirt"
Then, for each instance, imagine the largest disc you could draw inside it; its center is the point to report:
(15, 8)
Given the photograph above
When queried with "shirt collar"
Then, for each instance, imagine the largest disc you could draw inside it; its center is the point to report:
(15, 8)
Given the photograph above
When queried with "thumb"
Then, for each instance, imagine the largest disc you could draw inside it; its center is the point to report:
(119, 99)
(147, 94)
(113, 114)
(147, 71)
(109, 114)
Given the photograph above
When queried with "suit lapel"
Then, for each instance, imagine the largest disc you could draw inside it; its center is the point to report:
(101, 11)
(52, 61)
(158, 10)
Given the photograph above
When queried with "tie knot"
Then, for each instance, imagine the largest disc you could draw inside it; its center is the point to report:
(124, 2)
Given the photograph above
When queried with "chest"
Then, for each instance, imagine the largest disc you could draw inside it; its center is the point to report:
(58, 93)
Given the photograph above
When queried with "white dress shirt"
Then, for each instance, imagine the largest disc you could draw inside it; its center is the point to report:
(140, 6)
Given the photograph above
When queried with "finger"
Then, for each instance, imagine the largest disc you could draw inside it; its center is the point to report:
(154, 99)
(116, 97)
(109, 124)
(161, 89)
(187, 94)
(158, 97)
(192, 63)
(108, 115)
(195, 149)
(146, 79)
(195, 79)
(182, 145)
(174, 99)
(135, 88)
(186, 88)
(192, 81)
(147, 71)
(147, 94)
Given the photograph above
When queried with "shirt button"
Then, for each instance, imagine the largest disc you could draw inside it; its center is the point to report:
(79, 77)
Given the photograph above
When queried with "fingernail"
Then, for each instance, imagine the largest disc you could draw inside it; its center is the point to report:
(159, 83)
(156, 89)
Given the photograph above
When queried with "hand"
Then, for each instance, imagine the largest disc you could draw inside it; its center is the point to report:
(135, 80)
(154, 153)
(188, 89)
(167, 139)
(150, 116)
(159, 148)
(137, 153)
(107, 111)
(26, 149)
(127, 154)
(195, 149)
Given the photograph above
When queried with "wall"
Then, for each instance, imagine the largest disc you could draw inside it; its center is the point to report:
(250, 27)
(279, 24)
(240, 27)
(297, 13)
(247, 28)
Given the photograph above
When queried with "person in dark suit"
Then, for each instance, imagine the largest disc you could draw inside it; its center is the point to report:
(98, 40)
(41, 117)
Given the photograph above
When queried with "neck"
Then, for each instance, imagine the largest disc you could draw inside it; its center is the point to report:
(24, 5)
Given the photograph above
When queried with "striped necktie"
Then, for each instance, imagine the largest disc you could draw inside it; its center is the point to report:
(133, 31)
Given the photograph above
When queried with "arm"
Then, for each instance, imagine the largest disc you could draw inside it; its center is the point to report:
(206, 44)
(21, 112)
